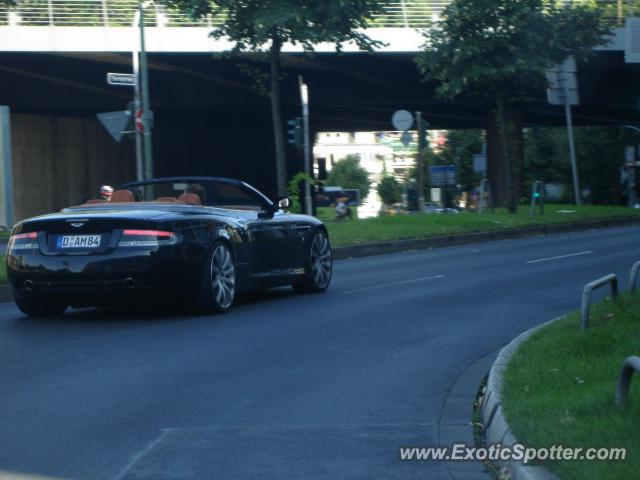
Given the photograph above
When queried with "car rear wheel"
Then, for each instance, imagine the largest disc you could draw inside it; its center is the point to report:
(218, 284)
(318, 266)
(36, 307)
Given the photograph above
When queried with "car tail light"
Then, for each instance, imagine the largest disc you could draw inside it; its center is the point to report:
(147, 238)
(23, 241)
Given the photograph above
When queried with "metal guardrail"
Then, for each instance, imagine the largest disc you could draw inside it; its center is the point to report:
(586, 296)
(119, 13)
(630, 366)
(633, 277)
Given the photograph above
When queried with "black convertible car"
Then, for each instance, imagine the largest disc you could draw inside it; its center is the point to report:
(203, 239)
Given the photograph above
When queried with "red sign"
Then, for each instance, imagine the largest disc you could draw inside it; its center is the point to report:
(139, 122)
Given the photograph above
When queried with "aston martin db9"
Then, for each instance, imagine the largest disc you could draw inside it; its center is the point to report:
(199, 239)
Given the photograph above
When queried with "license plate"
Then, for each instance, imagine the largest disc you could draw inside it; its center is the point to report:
(79, 241)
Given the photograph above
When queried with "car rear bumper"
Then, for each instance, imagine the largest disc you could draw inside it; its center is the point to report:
(95, 279)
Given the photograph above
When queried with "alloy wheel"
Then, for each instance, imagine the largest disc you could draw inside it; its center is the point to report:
(223, 276)
(321, 261)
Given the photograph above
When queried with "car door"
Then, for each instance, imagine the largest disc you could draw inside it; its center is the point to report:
(270, 233)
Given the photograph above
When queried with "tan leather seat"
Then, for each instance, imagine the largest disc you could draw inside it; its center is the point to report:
(94, 201)
(122, 196)
(167, 199)
(190, 199)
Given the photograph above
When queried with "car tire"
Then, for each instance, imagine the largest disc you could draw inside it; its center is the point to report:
(218, 282)
(36, 307)
(318, 265)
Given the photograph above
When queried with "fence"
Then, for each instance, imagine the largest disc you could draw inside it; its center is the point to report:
(119, 13)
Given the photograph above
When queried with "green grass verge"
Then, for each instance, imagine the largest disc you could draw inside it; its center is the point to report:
(560, 388)
(3, 270)
(398, 227)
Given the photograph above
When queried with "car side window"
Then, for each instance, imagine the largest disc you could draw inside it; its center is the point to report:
(234, 197)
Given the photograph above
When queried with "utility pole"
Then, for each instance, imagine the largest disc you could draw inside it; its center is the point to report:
(144, 80)
(137, 103)
(422, 146)
(304, 97)
(572, 148)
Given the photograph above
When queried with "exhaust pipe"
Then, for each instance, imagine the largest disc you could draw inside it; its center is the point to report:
(28, 284)
(129, 283)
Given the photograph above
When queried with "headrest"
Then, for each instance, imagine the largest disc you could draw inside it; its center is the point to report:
(167, 199)
(190, 199)
(122, 196)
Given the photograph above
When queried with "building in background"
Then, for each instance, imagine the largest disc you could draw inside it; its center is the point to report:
(378, 152)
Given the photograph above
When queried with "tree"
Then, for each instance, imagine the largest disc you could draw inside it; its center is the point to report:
(459, 149)
(389, 190)
(260, 26)
(601, 151)
(498, 51)
(348, 173)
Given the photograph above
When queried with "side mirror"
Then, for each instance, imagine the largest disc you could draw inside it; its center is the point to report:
(284, 202)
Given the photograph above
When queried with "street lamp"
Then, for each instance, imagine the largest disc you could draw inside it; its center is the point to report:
(304, 97)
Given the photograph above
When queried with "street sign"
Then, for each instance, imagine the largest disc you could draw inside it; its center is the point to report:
(480, 163)
(121, 79)
(402, 120)
(406, 138)
(140, 123)
(115, 123)
(563, 83)
(443, 175)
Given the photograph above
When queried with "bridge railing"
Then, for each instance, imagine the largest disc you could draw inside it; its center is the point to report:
(120, 13)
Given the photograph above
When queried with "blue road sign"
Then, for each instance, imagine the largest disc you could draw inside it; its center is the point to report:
(443, 175)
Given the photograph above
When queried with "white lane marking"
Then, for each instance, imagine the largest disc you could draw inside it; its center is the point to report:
(391, 284)
(141, 453)
(577, 254)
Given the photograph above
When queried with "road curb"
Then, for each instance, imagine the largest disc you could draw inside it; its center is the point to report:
(454, 424)
(396, 246)
(496, 427)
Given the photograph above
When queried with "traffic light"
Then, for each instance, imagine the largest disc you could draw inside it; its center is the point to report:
(295, 133)
(422, 134)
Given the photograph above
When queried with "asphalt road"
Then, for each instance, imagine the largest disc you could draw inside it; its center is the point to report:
(286, 386)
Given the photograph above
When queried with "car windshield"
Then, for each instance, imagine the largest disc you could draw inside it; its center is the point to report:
(214, 193)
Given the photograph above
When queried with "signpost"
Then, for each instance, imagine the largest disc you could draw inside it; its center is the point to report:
(563, 90)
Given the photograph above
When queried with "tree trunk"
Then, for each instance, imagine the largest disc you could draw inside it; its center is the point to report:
(505, 157)
(276, 112)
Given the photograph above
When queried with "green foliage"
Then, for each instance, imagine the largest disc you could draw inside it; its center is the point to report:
(390, 190)
(348, 173)
(459, 150)
(293, 190)
(599, 150)
(252, 24)
(500, 49)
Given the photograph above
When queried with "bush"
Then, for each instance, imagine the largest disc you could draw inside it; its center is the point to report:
(349, 174)
(390, 191)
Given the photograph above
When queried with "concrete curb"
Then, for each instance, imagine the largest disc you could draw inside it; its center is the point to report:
(497, 429)
(454, 425)
(381, 248)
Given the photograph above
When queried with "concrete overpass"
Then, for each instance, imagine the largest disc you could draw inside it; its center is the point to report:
(209, 119)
